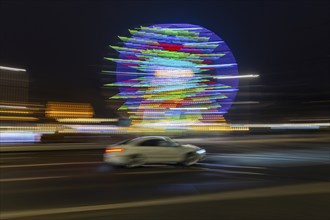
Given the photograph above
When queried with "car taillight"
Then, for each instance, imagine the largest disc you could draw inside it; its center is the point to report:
(114, 150)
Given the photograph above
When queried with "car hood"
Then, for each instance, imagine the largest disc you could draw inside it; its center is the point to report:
(190, 146)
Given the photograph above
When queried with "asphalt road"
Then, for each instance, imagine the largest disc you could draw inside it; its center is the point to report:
(263, 178)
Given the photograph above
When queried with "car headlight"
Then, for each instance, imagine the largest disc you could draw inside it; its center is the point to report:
(201, 151)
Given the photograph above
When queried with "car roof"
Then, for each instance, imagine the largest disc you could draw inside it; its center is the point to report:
(144, 138)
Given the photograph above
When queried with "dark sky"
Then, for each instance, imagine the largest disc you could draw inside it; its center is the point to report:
(62, 45)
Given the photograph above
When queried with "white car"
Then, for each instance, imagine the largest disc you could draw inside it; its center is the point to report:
(152, 149)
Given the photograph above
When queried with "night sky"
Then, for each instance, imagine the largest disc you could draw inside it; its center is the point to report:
(62, 45)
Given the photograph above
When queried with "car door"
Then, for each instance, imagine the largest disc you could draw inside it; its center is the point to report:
(150, 149)
(169, 150)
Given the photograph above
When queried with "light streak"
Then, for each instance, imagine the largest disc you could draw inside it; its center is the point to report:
(235, 77)
(13, 106)
(18, 118)
(12, 69)
(86, 120)
(218, 65)
(188, 108)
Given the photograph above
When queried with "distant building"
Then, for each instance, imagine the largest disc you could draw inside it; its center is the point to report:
(14, 85)
(69, 110)
(14, 97)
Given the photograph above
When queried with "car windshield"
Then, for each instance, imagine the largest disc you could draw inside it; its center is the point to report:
(152, 141)
(123, 142)
(172, 143)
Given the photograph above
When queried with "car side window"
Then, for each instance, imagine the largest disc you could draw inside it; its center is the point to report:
(151, 142)
(163, 143)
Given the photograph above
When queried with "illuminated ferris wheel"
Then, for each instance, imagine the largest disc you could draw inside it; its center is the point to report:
(174, 72)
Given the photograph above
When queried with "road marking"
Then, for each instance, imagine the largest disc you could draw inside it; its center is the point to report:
(158, 165)
(261, 140)
(158, 172)
(266, 157)
(11, 158)
(287, 190)
(30, 178)
(230, 166)
(100, 162)
(272, 160)
(49, 164)
(231, 171)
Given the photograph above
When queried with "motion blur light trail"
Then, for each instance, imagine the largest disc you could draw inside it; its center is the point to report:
(179, 73)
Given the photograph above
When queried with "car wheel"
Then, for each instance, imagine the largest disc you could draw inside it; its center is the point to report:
(190, 159)
(135, 161)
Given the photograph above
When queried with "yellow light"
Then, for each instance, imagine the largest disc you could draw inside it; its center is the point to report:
(174, 73)
(17, 118)
(87, 120)
(68, 109)
(15, 112)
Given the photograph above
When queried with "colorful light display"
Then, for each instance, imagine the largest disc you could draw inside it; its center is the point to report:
(170, 72)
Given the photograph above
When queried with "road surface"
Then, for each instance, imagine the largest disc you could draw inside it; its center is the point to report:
(263, 178)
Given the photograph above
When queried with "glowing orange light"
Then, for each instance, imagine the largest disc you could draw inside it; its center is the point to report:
(114, 150)
(69, 110)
